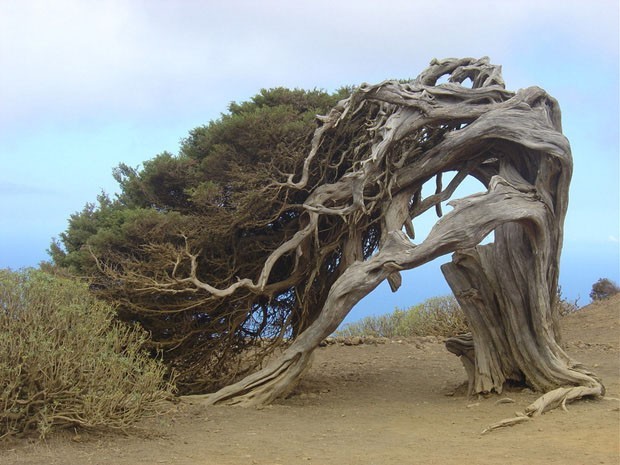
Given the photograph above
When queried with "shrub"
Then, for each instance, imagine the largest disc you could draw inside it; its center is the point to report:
(64, 361)
(603, 288)
(563, 306)
(438, 316)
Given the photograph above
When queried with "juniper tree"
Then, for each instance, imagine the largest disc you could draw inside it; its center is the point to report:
(282, 240)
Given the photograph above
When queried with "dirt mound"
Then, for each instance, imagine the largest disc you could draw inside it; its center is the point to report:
(598, 323)
(395, 402)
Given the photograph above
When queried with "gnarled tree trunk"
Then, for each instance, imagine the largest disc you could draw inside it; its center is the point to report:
(512, 332)
(394, 138)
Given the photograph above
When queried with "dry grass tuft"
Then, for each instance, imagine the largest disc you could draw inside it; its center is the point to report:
(438, 316)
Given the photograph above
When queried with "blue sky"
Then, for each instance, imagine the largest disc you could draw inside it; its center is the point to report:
(88, 84)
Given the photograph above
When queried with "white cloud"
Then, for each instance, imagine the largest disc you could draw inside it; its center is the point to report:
(88, 83)
(76, 58)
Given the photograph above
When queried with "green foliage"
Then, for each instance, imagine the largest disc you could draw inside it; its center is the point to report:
(219, 198)
(438, 316)
(603, 288)
(160, 184)
(301, 100)
(107, 226)
(65, 362)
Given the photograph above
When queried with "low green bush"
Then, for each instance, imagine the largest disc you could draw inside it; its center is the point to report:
(438, 316)
(65, 361)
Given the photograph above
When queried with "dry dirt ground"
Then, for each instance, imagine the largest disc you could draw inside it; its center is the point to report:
(373, 404)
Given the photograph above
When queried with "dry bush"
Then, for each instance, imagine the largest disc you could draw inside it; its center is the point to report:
(438, 316)
(64, 361)
(563, 306)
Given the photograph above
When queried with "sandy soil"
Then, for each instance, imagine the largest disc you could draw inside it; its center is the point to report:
(378, 404)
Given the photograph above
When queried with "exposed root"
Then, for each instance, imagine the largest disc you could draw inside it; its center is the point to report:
(553, 399)
(560, 396)
(506, 422)
(262, 387)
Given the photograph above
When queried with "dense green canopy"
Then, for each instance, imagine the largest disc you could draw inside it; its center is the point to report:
(219, 200)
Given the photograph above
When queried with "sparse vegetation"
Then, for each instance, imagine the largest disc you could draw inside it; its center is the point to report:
(603, 288)
(564, 306)
(438, 316)
(64, 361)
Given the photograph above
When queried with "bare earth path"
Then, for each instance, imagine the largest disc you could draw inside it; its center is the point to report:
(378, 404)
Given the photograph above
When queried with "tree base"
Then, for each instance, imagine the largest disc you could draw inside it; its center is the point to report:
(276, 380)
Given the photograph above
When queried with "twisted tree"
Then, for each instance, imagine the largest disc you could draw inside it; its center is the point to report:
(398, 136)
(342, 221)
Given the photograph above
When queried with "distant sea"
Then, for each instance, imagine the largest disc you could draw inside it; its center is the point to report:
(580, 267)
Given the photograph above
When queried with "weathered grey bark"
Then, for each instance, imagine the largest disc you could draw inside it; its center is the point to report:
(412, 133)
(397, 253)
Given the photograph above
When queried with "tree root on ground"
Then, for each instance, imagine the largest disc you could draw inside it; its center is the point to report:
(262, 387)
(553, 399)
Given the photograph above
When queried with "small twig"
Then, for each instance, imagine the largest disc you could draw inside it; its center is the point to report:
(505, 400)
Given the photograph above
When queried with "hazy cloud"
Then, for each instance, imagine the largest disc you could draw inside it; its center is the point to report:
(80, 59)
(8, 188)
(87, 84)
